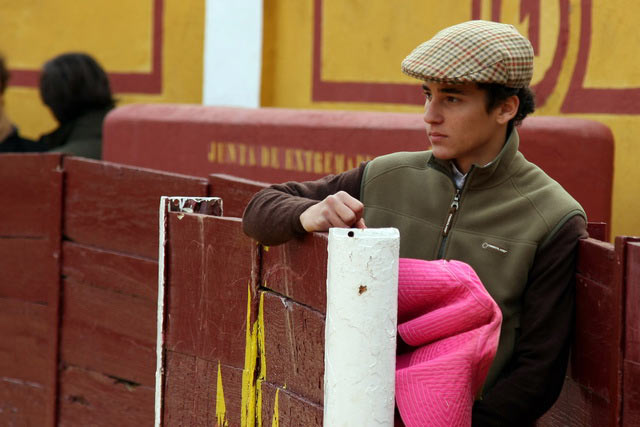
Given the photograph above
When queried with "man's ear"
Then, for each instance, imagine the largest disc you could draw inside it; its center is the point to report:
(508, 109)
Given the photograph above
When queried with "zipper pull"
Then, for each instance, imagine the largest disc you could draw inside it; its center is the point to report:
(452, 211)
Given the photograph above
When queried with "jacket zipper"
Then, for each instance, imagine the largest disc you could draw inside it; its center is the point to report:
(453, 208)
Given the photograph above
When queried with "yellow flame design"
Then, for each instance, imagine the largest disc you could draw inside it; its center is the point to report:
(275, 422)
(251, 404)
(221, 408)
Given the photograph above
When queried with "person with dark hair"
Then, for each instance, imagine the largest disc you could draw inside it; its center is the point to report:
(472, 197)
(76, 89)
(10, 140)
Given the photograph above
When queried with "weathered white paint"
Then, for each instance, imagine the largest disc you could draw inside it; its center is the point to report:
(360, 329)
(162, 218)
(232, 53)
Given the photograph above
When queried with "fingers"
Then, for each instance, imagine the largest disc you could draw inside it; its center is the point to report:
(360, 224)
(336, 210)
(344, 210)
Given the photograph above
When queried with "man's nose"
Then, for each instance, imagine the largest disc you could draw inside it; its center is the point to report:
(431, 113)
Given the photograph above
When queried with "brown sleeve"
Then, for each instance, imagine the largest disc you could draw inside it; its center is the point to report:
(273, 215)
(533, 379)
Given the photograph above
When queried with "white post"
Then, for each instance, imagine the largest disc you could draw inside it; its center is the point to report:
(360, 329)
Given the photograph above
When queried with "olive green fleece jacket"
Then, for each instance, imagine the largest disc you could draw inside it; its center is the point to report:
(505, 212)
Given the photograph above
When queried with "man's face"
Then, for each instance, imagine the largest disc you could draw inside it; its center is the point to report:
(459, 126)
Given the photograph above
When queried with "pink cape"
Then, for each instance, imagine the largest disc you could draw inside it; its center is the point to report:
(452, 326)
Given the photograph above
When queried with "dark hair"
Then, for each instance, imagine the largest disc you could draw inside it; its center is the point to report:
(496, 93)
(4, 75)
(72, 84)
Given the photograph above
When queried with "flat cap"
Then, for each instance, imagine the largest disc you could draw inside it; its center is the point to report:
(474, 51)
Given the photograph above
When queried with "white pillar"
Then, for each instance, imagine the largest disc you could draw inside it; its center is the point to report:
(361, 324)
(232, 53)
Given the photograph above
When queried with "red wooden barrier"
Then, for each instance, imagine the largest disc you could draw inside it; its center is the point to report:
(115, 207)
(631, 378)
(211, 307)
(108, 328)
(224, 329)
(598, 390)
(275, 145)
(245, 324)
(31, 194)
(235, 192)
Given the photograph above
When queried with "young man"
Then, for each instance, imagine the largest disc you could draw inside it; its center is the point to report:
(473, 197)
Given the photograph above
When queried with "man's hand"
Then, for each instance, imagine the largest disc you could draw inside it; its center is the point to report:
(336, 210)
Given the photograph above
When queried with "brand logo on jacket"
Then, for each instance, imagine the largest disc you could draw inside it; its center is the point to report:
(486, 245)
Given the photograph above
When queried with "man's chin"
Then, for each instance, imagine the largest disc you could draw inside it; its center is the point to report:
(441, 154)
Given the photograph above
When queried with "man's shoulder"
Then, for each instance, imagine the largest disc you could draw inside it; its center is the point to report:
(390, 162)
(548, 196)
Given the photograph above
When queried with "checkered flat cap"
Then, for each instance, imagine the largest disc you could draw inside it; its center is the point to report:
(474, 51)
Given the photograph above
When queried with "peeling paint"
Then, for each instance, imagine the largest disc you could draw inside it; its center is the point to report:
(221, 408)
(248, 405)
(275, 422)
(253, 374)
(263, 360)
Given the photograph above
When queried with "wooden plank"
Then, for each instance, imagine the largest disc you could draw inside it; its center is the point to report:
(631, 400)
(26, 341)
(210, 263)
(109, 332)
(235, 192)
(292, 410)
(121, 273)
(191, 392)
(598, 230)
(577, 407)
(631, 372)
(29, 270)
(591, 390)
(30, 234)
(91, 399)
(298, 270)
(632, 322)
(597, 343)
(596, 260)
(22, 404)
(294, 347)
(126, 199)
(30, 194)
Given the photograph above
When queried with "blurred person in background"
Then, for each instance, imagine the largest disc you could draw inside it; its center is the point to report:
(76, 90)
(10, 139)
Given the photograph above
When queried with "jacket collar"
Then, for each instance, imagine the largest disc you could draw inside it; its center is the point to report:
(495, 172)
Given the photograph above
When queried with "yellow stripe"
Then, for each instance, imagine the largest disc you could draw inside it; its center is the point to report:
(275, 422)
(221, 408)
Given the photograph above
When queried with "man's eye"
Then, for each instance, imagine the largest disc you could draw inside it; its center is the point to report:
(427, 95)
(452, 99)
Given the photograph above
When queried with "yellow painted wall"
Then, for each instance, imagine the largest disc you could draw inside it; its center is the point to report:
(365, 41)
(118, 33)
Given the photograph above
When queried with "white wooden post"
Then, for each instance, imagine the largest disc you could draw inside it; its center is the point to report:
(361, 324)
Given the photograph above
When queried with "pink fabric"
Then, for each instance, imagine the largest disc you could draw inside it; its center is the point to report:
(452, 325)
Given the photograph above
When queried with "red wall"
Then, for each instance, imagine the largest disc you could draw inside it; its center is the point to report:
(275, 145)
